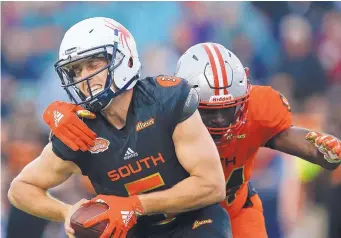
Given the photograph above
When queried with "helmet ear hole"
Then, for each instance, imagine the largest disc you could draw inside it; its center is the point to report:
(130, 62)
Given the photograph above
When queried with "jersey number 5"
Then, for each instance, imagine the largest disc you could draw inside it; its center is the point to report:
(144, 184)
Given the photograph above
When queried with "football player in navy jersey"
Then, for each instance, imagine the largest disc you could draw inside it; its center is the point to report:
(142, 144)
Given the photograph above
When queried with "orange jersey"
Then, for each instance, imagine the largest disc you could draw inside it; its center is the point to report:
(268, 114)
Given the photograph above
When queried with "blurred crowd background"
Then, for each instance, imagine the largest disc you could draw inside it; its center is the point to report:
(293, 46)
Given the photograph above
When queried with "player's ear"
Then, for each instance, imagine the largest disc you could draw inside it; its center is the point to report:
(247, 72)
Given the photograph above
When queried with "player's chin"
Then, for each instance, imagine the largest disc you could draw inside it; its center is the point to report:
(93, 93)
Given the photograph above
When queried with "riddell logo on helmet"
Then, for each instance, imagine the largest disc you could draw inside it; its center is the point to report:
(221, 98)
(101, 145)
(71, 50)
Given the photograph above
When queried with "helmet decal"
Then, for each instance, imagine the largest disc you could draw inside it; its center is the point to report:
(221, 81)
(216, 62)
(124, 36)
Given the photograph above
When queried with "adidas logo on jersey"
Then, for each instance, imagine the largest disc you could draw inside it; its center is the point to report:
(57, 116)
(130, 154)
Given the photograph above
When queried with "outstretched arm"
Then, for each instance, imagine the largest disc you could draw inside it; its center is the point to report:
(293, 141)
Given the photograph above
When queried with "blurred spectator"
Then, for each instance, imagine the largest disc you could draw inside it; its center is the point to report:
(307, 217)
(158, 60)
(26, 139)
(274, 176)
(299, 60)
(242, 47)
(312, 10)
(27, 50)
(24, 143)
(182, 37)
(200, 21)
(330, 48)
(195, 25)
(333, 126)
(242, 18)
(8, 90)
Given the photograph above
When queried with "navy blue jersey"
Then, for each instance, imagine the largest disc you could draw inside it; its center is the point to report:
(139, 158)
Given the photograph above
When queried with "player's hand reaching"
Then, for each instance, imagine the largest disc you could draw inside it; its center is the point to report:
(63, 119)
(328, 145)
(121, 215)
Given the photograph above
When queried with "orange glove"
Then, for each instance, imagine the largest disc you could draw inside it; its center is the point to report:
(328, 145)
(121, 215)
(62, 118)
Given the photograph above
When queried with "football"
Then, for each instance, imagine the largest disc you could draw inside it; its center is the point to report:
(83, 214)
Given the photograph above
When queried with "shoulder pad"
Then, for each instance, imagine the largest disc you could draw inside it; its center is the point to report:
(170, 89)
(270, 110)
(191, 104)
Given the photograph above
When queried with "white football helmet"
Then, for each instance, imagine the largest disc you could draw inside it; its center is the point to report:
(103, 37)
(221, 81)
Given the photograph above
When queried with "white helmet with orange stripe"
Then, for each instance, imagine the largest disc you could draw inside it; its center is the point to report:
(223, 86)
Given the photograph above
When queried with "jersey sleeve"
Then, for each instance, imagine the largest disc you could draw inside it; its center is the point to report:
(65, 153)
(180, 100)
(277, 115)
(190, 105)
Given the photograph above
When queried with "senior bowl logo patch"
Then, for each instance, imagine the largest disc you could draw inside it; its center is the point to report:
(101, 145)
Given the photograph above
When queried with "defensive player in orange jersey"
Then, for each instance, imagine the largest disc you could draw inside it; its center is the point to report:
(242, 118)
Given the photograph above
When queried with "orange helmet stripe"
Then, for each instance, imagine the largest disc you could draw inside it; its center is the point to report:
(214, 69)
(222, 66)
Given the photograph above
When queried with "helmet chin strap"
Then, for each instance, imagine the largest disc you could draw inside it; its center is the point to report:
(102, 101)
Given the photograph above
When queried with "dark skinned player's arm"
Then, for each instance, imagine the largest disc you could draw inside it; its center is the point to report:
(292, 141)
